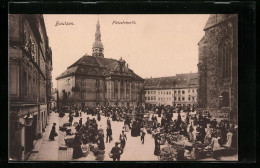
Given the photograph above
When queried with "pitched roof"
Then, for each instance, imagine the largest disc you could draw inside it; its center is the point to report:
(97, 66)
(216, 19)
(180, 80)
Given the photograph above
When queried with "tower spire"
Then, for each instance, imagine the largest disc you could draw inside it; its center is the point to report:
(97, 48)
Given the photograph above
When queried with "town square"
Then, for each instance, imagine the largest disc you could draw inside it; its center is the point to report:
(123, 87)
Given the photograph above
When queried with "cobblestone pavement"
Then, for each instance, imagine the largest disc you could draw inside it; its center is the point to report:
(134, 149)
(45, 150)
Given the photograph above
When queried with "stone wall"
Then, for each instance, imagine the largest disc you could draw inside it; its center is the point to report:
(211, 81)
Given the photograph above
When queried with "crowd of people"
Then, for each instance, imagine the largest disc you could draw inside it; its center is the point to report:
(197, 128)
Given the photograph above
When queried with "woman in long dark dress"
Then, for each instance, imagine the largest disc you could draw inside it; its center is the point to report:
(77, 151)
(101, 143)
(157, 145)
(53, 132)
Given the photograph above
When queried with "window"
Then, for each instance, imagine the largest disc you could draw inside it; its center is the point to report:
(179, 99)
(154, 98)
(189, 98)
(179, 92)
(183, 98)
(151, 97)
(145, 98)
(192, 98)
(192, 90)
(148, 92)
(83, 83)
(183, 92)
(170, 92)
(148, 97)
(225, 50)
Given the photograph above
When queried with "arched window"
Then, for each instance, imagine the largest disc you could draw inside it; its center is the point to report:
(226, 58)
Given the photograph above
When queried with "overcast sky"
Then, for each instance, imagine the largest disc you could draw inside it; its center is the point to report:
(156, 46)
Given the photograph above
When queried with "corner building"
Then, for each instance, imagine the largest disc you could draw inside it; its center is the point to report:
(218, 67)
(30, 66)
(95, 80)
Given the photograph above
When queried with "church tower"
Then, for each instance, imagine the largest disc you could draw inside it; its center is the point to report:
(97, 48)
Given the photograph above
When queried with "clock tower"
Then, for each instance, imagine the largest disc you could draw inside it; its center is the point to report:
(97, 48)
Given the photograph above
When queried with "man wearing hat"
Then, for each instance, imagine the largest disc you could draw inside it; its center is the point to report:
(116, 152)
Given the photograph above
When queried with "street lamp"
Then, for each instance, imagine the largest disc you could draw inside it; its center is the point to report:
(28, 120)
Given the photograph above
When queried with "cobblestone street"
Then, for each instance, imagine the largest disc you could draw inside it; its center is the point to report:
(46, 150)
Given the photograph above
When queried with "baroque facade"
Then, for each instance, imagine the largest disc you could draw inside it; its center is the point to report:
(175, 90)
(94, 80)
(30, 66)
(218, 67)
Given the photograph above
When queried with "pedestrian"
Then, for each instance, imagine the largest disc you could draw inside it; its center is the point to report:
(77, 151)
(100, 142)
(108, 122)
(229, 139)
(80, 121)
(109, 134)
(142, 136)
(53, 132)
(98, 117)
(122, 139)
(157, 144)
(70, 119)
(215, 146)
(116, 152)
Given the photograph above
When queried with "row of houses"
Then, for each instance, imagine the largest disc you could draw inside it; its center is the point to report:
(174, 90)
(30, 66)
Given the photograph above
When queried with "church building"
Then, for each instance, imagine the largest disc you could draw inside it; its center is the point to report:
(218, 67)
(95, 80)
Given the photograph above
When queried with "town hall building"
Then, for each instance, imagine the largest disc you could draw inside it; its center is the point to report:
(95, 80)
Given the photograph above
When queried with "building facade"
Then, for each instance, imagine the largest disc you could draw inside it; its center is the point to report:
(218, 67)
(175, 90)
(95, 80)
(30, 66)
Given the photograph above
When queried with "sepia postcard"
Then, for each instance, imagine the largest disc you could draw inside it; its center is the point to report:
(123, 87)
